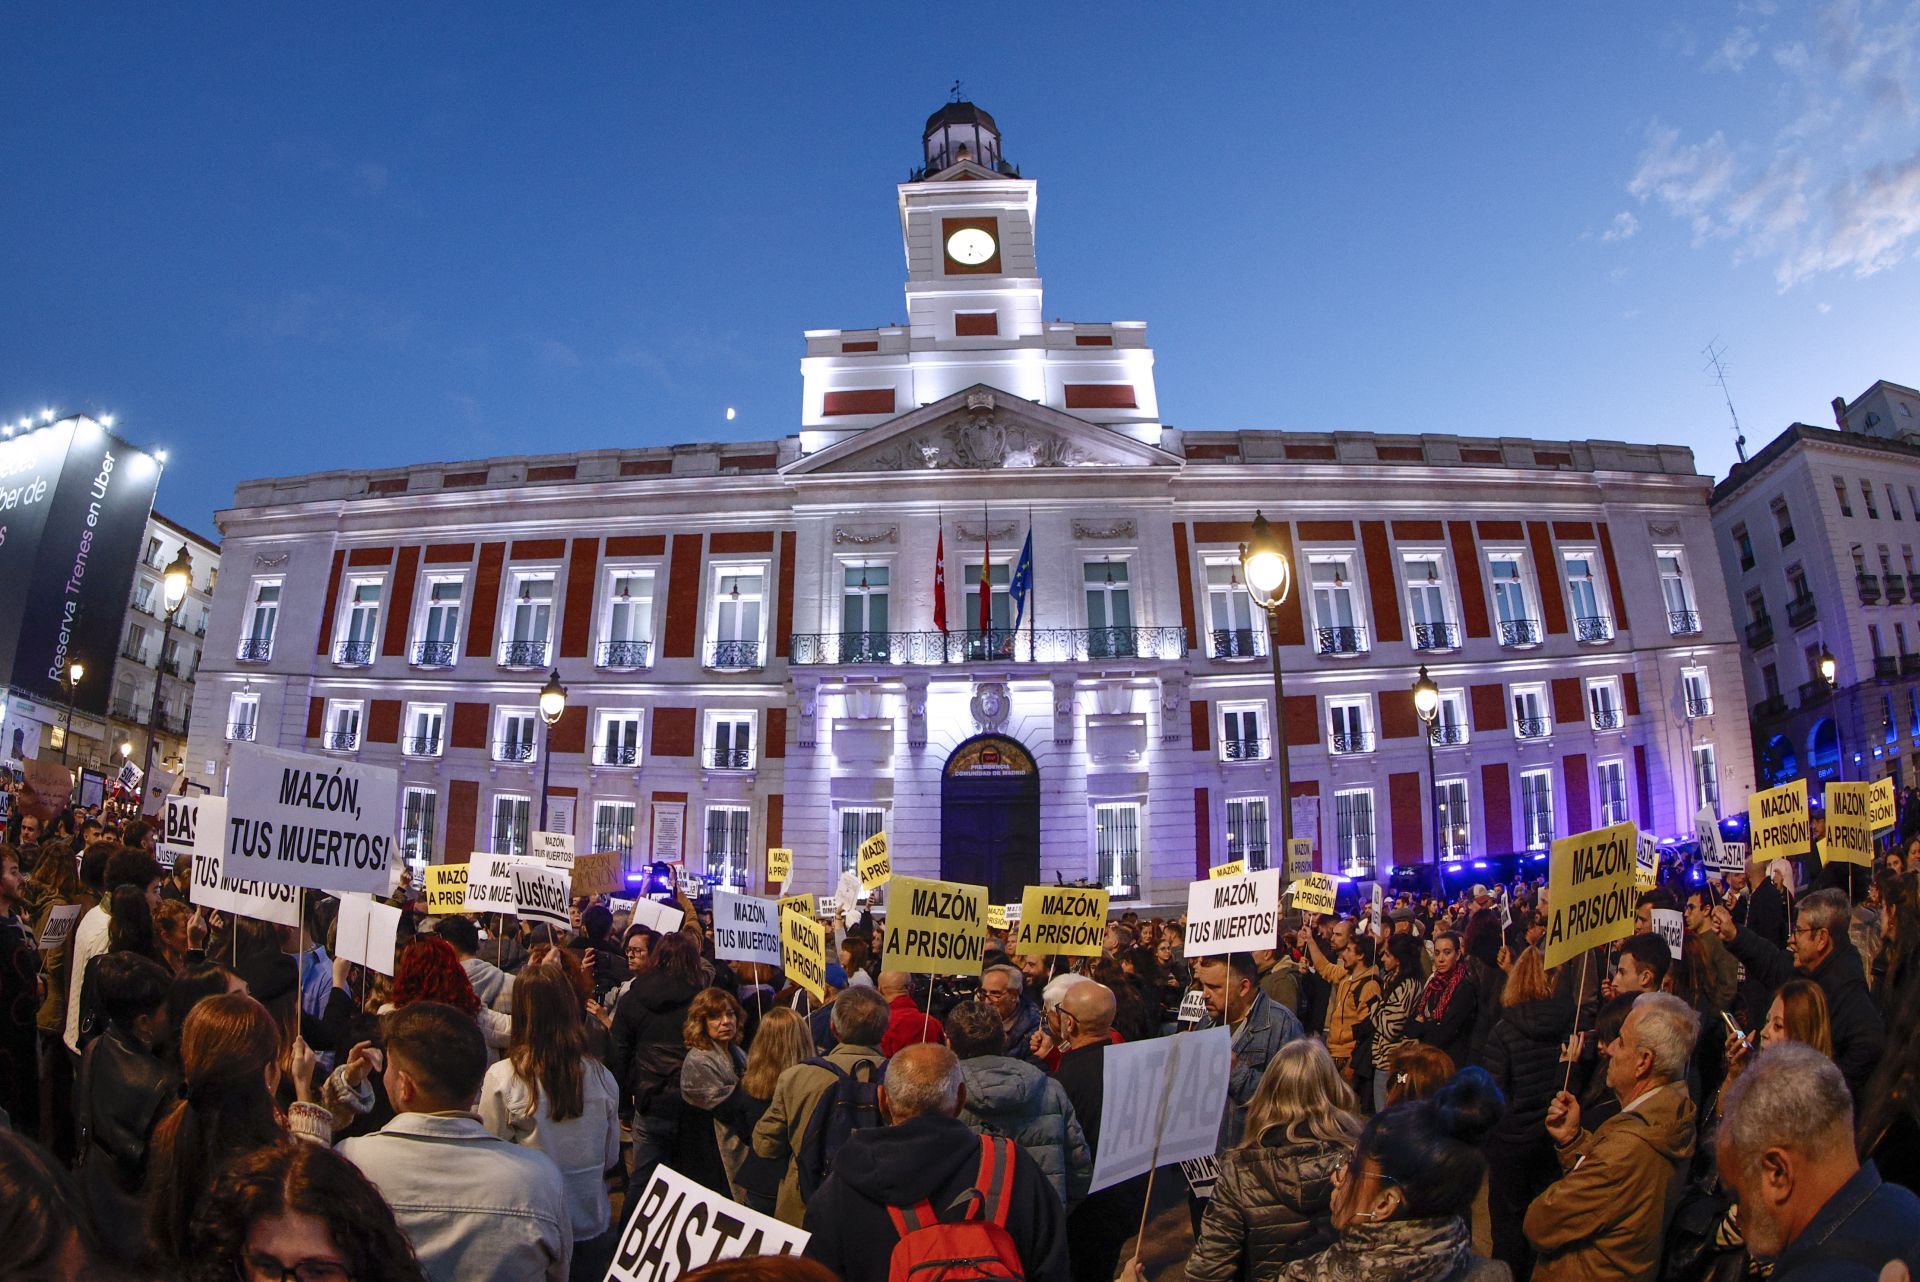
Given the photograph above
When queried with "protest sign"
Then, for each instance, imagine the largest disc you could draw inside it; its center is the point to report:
(1671, 925)
(1062, 921)
(1164, 1099)
(1646, 861)
(1736, 855)
(1591, 896)
(241, 896)
(873, 863)
(661, 918)
(1234, 914)
(600, 874)
(1299, 858)
(59, 925)
(779, 865)
(803, 953)
(745, 928)
(616, 905)
(301, 820)
(191, 826)
(1777, 822)
(681, 1225)
(365, 932)
(1202, 1174)
(47, 790)
(1193, 1007)
(1880, 808)
(1376, 909)
(156, 789)
(490, 882)
(1232, 868)
(935, 927)
(1713, 847)
(997, 917)
(1849, 837)
(554, 849)
(829, 907)
(446, 889)
(798, 903)
(540, 895)
(1317, 892)
(1506, 909)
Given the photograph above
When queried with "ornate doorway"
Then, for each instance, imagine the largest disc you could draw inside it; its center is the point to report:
(990, 817)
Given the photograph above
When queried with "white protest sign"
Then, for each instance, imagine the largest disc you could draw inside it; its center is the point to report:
(1376, 910)
(191, 826)
(1671, 925)
(1506, 909)
(1163, 1100)
(656, 916)
(243, 897)
(552, 848)
(616, 905)
(1193, 1007)
(490, 882)
(365, 932)
(828, 907)
(745, 928)
(1202, 1174)
(1646, 852)
(1233, 914)
(1736, 855)
(540, 895)
(60, 919)
(681, 1225)
(1713, 850)
(297, 819)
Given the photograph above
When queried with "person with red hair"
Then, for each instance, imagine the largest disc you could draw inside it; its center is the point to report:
(428, 970)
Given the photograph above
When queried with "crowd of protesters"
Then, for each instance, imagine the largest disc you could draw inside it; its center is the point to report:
(1414, 1095)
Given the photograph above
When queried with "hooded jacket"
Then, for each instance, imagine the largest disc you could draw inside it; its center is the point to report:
(933, 1159)
(1021, 1103)
(1271, 1204)
(1523, 1054)
(1859, 1031)
(1603, 1220)
(649, 1038)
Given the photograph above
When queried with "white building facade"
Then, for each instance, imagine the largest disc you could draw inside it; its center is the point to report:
(152, 652)
(758, 652)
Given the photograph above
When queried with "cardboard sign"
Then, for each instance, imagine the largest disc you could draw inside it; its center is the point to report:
(296, 819)
(365, 932)
(1849, 837)
(1193, 1007)
(1164, 1100)
(1317, 892)
(1646, 861)
(446, 889)
(797, 903)
(779, 865)
(600, 874)
(555, 849)
(745, 928)
(660, 918)
(873, 863)
(540, 895)
(1234, 914)
(681, 1225)
(241, 896)
(48, 788)
(935, 927)
(191, 826)
(490, 882)
(1232, 868)
(1299, 858)
(1062, 921)
(1777, 822)
(1591, 893)
(59, 925)
(997, 917)
(1671, 925)
(803, 953)
(1880, 805)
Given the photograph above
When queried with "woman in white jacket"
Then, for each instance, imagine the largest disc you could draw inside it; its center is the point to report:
(550, 1094)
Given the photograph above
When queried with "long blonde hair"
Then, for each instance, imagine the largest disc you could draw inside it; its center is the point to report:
(784, 1039)
(1301, 1092)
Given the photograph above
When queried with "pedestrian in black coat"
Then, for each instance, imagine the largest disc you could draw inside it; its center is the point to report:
(1523, 1056)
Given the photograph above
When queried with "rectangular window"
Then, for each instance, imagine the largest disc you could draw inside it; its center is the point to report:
(1866, 492)
(439, 641)
(512, 820)
(529, 620)
(1512, 611)
(613, 827)
(1698, 694)
(1536, 805)
(1241, 732)
(1247, 831)
(1783, 518)
(1230, 618)
(616, 741)
(1427, 611)
(1353, 831)
(1613, 793)
(730, 740)
(1743, 545)
(866, 616)
(1893, 502)
(426, 730)
(857, 824)
(1450, 718)
(358, 633)
(1770, 680)
(1603, 703)
(136, 647)
(143, 596)
(1350, 724)
(1677, 591)
(1456, 820)
(626, 623)
(726, 845)
(513, 734)
(342, 730)
(1840, 492)
(1339, 626)
(998, 640)
(418, 807)
(1706, 777)
(1116, 835)
(1590, 622)
(1530, 719)
(738, 613)
(263, 618)
(243, 718)
(1109, 609)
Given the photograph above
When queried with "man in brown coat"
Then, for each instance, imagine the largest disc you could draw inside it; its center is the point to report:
(1604, 1219)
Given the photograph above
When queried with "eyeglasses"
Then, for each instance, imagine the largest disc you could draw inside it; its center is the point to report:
(265, 1268)
(1340, 1173)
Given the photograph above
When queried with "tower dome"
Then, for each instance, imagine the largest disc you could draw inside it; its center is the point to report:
(961, 131)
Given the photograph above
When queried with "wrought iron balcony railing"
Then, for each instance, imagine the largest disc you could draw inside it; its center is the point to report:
(616, 754)
(1683, 623)
(1346, 744)
(1760, 633)
(733, 656)
(1436, 636)
(998, 645)
(1532, 727)
(1803, 610)
(421, 745)
(1606, 719)
(1909, 664)
(513, 750)
(433, 654)
(170, 723)
(256, 650)
(523, 654)
(1519, 632)
(1886, 665)
(340, 740)
(1340, 640)
(1448, 734)
(1237, 643)
(624, 655)
(1699, 706)
(730, 758)
(1243, 749)
(242, 731)
(353, 654)
(1596, 629)
(1813, 691)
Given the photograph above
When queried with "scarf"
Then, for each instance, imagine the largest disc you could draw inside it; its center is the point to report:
(1438, 994)
(1396, 1251)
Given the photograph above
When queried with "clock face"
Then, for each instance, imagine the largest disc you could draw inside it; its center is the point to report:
(970, 246)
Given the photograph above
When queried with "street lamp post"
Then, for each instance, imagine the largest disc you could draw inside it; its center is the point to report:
(1830, 673)
(1268, 577)
(1426, 702)
(75, 671)
(553, 702)
(174, 582)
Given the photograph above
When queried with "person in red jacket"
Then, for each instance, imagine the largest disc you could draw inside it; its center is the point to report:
(907, 1024)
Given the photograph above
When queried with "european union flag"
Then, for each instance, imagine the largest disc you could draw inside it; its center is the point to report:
(1022, 581)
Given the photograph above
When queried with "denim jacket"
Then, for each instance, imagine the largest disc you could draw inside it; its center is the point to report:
(1267, 1027)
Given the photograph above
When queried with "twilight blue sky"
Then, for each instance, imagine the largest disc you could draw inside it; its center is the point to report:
(277, 239)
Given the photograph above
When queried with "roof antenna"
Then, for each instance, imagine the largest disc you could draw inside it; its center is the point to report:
(1719, 369)
(954, 93)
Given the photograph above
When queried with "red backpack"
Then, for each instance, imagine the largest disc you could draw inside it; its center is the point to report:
(971, 1240)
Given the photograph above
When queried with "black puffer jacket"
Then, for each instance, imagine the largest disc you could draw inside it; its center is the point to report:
(1272, 1204)
(649, 1038)
(1523, 1054)
(1859, 1032)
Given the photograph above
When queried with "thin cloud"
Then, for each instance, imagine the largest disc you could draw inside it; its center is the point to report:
(1623, 226)
(1735, 52)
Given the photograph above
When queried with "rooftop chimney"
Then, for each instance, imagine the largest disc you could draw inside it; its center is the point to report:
(1840, 412)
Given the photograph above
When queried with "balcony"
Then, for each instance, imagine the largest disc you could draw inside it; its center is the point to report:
(353, 654)
(1237, 643)
(1896, 586)
(125, 710)
(1243, 749)
(433, 654)
(733, 656)
(1532, 727)
(1802, 610)
(1683, 623)
(1886, 665)
(1869, 585)
(1774, 705)
(1340, 640)
(170, 723)
(1913, 586)
(1909, 665)
(256, 650)
(242, 731)
(623, 656)
(998, 645)
(1699, 706)
(523, 654)
(1812, 690)
(1601, 719)
(1518, 632)
(421, 745)
(513, 750)
(1760, 633)
(616, 754)
(1593, 630)
(1351, 742)
(340, 740)
(1447, 734)
(730, 758)
(1436, 636)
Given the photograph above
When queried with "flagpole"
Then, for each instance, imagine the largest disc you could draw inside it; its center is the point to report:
(1033, 597)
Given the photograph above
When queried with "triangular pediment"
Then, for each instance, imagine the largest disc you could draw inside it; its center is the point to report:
(962, 171)
(982, 429)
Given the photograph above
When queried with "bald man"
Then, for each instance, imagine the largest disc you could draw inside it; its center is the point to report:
(1100, 1225)
(924, 1157)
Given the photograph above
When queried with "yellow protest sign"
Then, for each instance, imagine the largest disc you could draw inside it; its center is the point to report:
(446, 889)
(874, 864)
(1777, 822)
(601, 874)
(799, 904)
(779, 865)
(803, 952)
(1849, 837)
(1591, 893)
(1299, 858)
(1315, 893)
(996, 917)
(935, 927)
(1232, 868)
(1880, 812)
(1069, 921)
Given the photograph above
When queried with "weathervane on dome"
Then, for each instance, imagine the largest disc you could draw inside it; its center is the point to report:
(954, 93)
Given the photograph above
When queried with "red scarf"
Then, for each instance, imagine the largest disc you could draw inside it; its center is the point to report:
(1439, 991)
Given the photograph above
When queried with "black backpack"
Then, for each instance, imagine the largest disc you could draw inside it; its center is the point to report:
(851, 1103)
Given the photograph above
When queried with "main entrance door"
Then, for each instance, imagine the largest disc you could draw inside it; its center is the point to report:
(990, 818)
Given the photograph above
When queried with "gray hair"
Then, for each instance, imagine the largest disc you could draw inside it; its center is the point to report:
(922, 1080)
(1827, 910)
(1791, 1096)
(1011, 973)
(1667, 1030)
(859, 1017)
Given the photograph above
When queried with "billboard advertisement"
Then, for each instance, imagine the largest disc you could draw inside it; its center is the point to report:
(74, 501)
